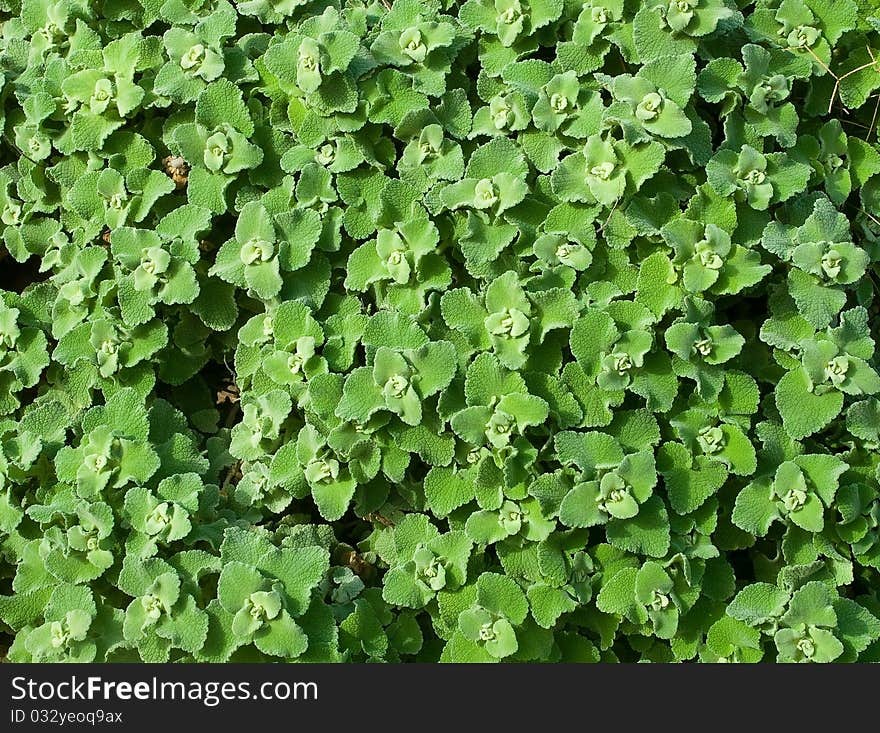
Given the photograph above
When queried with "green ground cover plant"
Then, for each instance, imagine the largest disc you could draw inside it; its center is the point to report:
(496, 330)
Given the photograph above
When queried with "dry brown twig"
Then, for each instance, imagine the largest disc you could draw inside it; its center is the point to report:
(610, 214)
(822, 64)
(871, 127)
(380, 518)
(872, 218)
(854, 124)
(234, 472)
(877, 103)
(839, 79)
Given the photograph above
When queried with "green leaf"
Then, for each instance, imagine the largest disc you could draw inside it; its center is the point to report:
(803, 411)
(646, 533)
